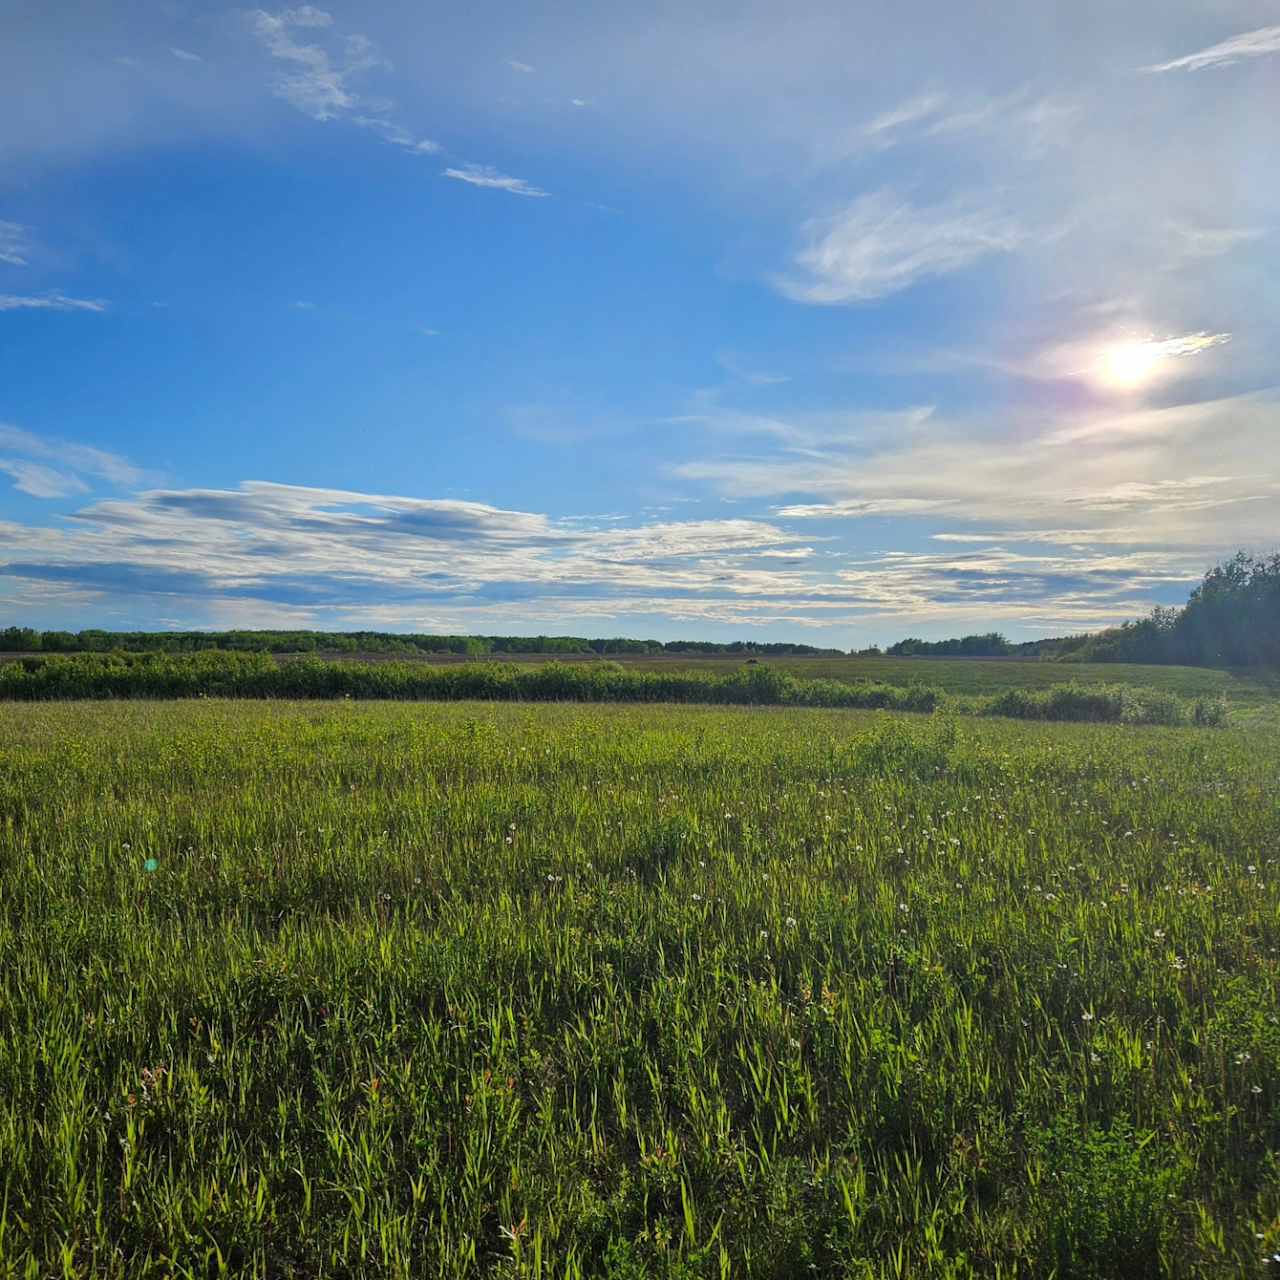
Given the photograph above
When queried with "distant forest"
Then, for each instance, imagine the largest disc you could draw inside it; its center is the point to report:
(27, 640)
(1231, 620)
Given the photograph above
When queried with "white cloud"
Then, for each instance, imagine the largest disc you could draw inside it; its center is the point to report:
(881, 244)
(910, 112)
(321, 81)
(483, 175)
(74, 457)
(858, 507)
(14, 245)
(49, 302)
(185, 55)
(1200, 474)
(1252, 44)
(315, 85)
(1212, 242)
(337, 558)
(41, 481)
(523, 67)
(1120, 358)
(733, 363)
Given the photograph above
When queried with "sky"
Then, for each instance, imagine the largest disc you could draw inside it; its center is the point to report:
(827, 322)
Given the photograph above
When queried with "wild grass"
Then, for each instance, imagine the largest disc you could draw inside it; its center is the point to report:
(343, 989)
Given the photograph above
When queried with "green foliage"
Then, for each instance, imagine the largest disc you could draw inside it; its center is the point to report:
(1232, 619)
(28, 640)
(990, 645)
(255, 675)
(535, 991)
(1107, 1193)
(1106, 704)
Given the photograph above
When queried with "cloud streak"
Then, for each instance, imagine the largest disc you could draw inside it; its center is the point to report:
(1252, 44)
(80, 458)
(483, 175)
(41, 481)
(49, 302)
(14, 245)
(881, 244)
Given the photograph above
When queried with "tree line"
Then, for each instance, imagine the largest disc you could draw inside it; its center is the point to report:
(30, 640)
(1232, 619)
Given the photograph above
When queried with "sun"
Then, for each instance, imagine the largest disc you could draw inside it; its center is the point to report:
(1129, 365)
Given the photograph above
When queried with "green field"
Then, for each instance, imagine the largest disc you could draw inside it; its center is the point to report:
(343, 989)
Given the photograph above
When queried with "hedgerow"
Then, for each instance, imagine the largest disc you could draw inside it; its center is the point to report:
(258, 675)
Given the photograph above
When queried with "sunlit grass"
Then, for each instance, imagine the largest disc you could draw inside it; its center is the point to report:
(574, 991)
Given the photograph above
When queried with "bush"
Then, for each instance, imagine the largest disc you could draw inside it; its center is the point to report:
(1106, 704)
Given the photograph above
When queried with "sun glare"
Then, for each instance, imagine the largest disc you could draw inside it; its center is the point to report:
(1128, 365)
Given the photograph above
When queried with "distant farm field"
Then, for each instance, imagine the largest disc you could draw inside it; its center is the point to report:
(352, 989)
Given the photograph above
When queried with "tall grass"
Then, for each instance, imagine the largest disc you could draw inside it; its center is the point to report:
(457, 990)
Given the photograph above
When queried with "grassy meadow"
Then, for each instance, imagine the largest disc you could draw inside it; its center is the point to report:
(384, 989)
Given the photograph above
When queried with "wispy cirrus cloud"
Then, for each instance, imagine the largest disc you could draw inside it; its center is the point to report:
(14, 244)
(483, 175)
(40, 481)
(49, 302)
(1201, 475)
(881, 244)
(185, 55)
(79, 458)
(323, 71)
(1251, 44)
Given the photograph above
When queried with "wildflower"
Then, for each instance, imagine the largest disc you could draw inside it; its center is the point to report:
(791, 922)
(1159, 933)
(1086, 1016)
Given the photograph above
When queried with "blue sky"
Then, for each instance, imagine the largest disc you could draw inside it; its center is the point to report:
(821, 321)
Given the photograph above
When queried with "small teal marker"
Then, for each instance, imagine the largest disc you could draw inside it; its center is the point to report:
(151, 864)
